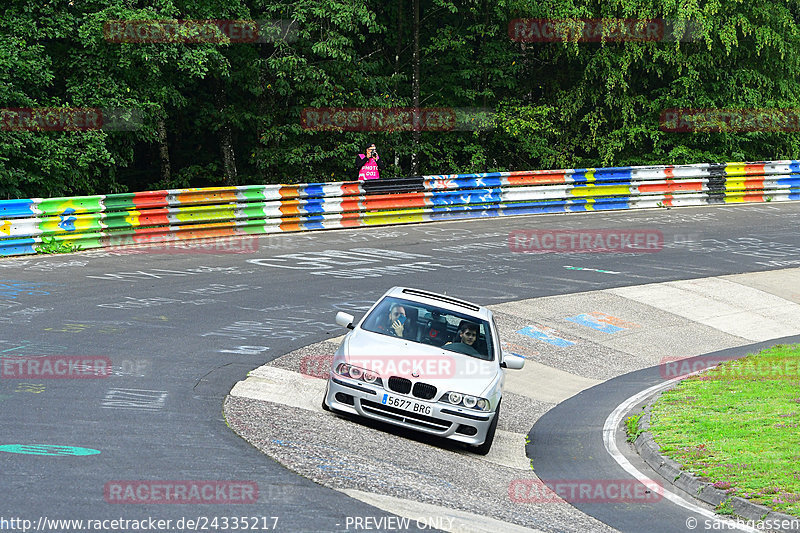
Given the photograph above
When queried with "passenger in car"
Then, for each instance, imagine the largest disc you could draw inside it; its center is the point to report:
(468, 334)
(395, 321)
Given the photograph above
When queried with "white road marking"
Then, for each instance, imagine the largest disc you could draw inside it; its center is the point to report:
(609, 433)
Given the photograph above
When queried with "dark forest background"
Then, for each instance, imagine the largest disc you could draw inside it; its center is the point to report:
(229, 113)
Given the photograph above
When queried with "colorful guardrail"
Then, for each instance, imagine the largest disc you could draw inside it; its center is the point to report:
(167, 215)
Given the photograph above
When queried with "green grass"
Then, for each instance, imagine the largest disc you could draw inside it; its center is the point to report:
(632, 427)
(53, 246)
(738, 426)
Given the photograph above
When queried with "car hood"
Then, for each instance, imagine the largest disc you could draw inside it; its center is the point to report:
(391, 356)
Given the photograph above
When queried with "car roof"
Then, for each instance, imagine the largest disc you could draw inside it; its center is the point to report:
(439, 300)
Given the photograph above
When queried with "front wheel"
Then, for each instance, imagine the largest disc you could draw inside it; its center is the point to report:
(483, 449)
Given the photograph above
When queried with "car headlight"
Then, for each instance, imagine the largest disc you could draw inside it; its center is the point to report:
(354, 372)
(465, 400)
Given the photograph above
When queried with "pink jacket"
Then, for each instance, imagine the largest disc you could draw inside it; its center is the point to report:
(370, 169)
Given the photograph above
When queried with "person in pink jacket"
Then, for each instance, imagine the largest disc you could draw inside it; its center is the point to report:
(369, 164)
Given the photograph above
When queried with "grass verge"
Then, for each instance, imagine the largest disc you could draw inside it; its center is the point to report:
(738, 426)
(632, 428)
(53, 246)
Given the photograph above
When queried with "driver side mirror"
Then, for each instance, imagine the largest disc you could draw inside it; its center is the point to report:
(513, 362)
(345, 320)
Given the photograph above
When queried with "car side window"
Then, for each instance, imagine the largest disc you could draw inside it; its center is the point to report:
(481, 343)
(373, 320)
(497, 336)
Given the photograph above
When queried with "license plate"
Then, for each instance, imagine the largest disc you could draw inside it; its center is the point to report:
(406, 405)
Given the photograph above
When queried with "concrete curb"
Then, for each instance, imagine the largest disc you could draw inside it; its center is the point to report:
(704, 491)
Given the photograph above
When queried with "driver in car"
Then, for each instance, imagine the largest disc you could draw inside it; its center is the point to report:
(395, 322)
(468, 334)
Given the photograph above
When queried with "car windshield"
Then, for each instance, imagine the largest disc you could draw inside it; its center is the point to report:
(427, 324)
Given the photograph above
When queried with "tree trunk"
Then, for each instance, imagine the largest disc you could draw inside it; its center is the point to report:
(226, 141)
(400, 10)
(163, 152)
(415, 91)
(228, 155)
(263, 109)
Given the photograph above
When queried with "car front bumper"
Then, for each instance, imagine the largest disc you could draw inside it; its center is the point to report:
(445, 420)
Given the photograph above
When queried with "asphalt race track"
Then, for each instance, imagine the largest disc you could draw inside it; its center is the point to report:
(577, 424)
(181, 329)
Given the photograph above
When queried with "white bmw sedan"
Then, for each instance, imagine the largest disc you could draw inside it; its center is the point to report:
(423, 361)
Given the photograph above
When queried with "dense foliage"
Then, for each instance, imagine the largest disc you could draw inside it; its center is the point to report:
(219, 111)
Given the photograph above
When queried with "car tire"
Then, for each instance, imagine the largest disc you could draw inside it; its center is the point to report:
(483, 449)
